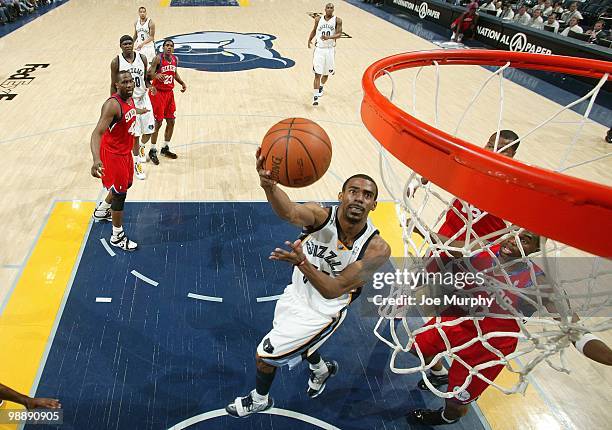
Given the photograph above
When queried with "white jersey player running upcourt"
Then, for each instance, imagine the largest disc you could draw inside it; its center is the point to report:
(135, 63)
(144, 35)
(338, 252)
(326, 30)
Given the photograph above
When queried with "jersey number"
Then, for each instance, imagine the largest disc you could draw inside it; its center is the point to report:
(326, 33)
(132, 128)
(137, 81)
(168, 79)
(142, 36)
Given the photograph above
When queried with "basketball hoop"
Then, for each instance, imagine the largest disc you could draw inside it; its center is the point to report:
(487, 182)
(455, 165)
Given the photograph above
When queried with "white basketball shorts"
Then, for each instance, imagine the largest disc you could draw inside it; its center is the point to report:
(145, 123)
(297, 331)
(149, 52)
(323, 61)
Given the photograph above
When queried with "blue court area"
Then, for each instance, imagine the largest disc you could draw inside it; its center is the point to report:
(204, 3)
(154, 357)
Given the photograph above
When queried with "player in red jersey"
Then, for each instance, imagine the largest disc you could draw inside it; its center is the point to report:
(482, 224)
(163, 72)
(430, 342)
(111, 147)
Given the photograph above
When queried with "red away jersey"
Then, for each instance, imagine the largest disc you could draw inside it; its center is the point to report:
(119, 137)
(168, 71)
(485, 225)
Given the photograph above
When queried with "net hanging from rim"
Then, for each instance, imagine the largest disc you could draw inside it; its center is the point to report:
(468, 182)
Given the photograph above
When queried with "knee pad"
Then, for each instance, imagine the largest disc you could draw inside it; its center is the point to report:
(118, 201)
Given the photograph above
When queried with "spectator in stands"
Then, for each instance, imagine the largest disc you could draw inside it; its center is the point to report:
(548, 9)
(465, 24)
(4, 16)
(573, 26)
(558, 8)
(536, 20)
(522, 17)
(597, 32)
(507, 12)
(609, 136)
(488, 6)
(571, 13)
(498, 8)
(552, 22)
(539, 6)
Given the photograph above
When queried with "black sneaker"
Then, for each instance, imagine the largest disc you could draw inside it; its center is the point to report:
(242, 407)
(315, 101)
(609, 136)
(428, 417)
(316, 384)
(165, 151)
(153, 156)
(436, 381)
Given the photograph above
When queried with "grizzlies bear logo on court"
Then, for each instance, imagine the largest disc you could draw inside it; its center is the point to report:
(220, 51)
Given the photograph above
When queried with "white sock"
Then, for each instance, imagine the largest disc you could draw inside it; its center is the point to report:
(258, 398)
(117, 231)
(315, 93)
(153, 147)
(104, 206)
(318, 368)
(440, 372)
(166, 144)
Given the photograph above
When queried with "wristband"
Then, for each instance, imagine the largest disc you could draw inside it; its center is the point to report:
(584, 339)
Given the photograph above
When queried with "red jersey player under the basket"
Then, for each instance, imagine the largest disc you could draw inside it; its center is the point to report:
(430, 342)
(163, 72)
(111, 148)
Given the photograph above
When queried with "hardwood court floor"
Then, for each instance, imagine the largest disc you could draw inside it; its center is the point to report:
(221, 119)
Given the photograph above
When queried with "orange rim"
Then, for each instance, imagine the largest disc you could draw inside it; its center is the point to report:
(567, 209)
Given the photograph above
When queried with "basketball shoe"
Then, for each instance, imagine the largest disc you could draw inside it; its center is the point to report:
(165, 151)
(244, 406)
(138, 171)
(122, 241)
(315, 101)
(429, 417)
(153, 156)
(436, 381)
(321, 91)
(142, 157)
(102, 214)
(316, 383)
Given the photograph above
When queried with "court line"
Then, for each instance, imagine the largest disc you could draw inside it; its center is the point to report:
(104, 299)
(107, 247)
(274, 411)
(206, 298)
(268, 298)
(12, 266)
(144, 278)
(9, 293)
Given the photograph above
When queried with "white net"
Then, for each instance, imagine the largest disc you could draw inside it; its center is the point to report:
(537, 291)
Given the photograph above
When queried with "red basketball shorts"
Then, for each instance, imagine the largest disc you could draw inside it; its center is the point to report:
(163, 105)
(118, 171)
(430, 343)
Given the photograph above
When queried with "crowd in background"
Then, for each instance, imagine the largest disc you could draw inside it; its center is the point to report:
(13, 10)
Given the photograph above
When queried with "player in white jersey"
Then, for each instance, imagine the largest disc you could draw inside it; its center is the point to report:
(136, 64)
(337, 254)
(144, 35)
(326, 30)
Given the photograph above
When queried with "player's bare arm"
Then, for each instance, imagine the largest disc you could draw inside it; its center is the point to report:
(7, 393)
(178, 79)
(337, 34)
(355, 275)
(110, 111)
(301, 215)
(314, 31)
(114, 68)
(151, 37)
(590, 346)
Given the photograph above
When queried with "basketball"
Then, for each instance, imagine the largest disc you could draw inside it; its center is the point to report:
(297, 151)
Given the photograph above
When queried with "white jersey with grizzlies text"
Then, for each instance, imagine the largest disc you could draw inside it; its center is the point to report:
(137, 69)
(327, 28)
(143, 32)
(324, 250)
